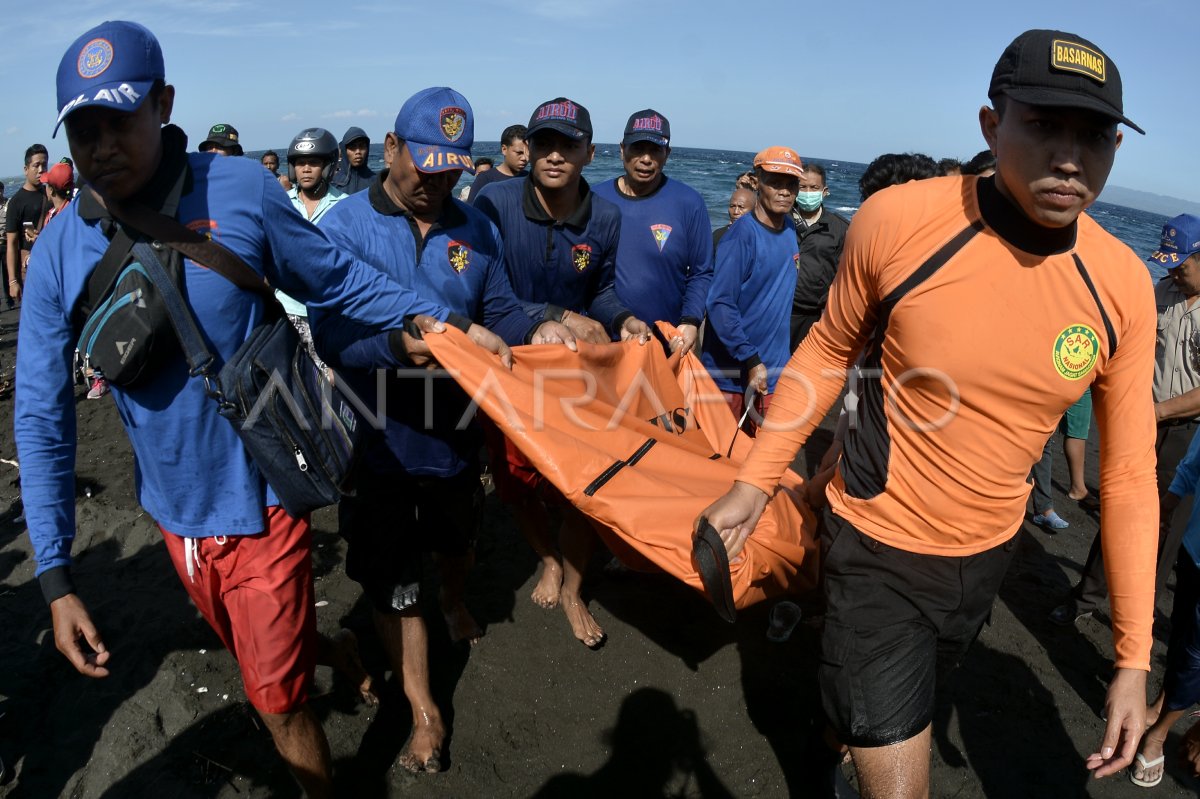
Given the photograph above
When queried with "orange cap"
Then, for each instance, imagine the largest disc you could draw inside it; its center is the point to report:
(780, 159)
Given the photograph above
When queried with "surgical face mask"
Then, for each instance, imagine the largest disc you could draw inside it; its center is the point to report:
(809, 200)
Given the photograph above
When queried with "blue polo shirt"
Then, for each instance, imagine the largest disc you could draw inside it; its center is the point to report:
(458, 263)
(664, 259)
(750, 302)
(556, 266)
(193, 474)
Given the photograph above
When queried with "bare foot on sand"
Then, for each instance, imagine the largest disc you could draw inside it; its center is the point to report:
(342, 654)
(582, 623)
(549, 585)
(459, 621)
(1189, 749)
(422, 753)
(1078, 494)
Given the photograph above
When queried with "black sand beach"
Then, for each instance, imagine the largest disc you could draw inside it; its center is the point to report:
(677, 703)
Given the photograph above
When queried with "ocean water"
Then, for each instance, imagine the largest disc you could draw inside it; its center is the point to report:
(712, 173)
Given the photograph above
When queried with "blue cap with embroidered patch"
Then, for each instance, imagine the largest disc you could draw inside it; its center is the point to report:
(438, 126)
(114, 65)
(1180, 241)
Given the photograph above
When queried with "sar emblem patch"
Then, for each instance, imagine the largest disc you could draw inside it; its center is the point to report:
(796, 260)
(1076, 57)
(1075, 351)
(454, 122)
(581, 256)
(94, 58)
(661, 234)
(459, 255)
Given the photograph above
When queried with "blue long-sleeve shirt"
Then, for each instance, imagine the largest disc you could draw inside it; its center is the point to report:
(458, 263)
(664, 259)
(750, 302)
(193, 474)
(1185, 483)
(556, 266)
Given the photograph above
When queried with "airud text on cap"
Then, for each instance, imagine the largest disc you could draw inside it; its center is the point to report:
(440, 158)
(648, 123)
(565, 110)
(1075, 57)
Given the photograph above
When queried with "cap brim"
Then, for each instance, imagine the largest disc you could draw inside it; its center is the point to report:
(107, 95)
(650, 137)
(782, 169)
(558, 127)
(433, 158)
(1168, 260)
(1063, 99)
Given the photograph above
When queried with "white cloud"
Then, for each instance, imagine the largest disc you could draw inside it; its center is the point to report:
(347, 114)
(12, 131)
(293, 116)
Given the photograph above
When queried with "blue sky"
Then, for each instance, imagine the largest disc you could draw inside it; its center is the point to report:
(847, 79)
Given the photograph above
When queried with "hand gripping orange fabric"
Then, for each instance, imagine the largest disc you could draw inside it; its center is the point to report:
(635, 440)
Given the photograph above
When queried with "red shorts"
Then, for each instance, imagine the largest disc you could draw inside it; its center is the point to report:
(256, 591)
(737, 404)
(516, 479)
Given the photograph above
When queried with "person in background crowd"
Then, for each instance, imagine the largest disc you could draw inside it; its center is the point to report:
(747, 180)
(750, 299)
(664, 258)
(270, 160)
(222, 140)
(24, 214)
(1181, 680)
(353, 175)
(891, 169)
(482, 165)
(821, 234)
(515, 157)
(982, 164)
(60, 188)
(1075, 425)
(949, 166)
(741, 201)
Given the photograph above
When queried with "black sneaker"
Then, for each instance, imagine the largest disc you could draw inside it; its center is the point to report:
(1068, 614)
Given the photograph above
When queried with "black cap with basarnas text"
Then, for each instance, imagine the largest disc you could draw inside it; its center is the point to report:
(1052, 68)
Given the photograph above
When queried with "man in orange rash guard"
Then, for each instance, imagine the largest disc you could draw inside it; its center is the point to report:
(984, 307)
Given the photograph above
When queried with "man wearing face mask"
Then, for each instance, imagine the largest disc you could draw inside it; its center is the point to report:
(820, 234)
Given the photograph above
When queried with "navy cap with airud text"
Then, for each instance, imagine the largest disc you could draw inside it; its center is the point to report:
(648, 125)
(565, 116)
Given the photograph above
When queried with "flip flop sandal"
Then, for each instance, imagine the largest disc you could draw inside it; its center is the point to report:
(712, 564)
(1144, 764)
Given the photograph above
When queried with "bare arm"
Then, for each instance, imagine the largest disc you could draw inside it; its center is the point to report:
(1185, 406)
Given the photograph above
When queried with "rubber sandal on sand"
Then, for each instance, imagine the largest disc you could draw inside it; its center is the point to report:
(712, 564)
(1143, 764)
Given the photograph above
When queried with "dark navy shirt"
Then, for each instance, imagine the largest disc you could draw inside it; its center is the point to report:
(556, 266)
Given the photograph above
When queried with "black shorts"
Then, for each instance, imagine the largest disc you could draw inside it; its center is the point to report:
(895, 622)
(394, 519)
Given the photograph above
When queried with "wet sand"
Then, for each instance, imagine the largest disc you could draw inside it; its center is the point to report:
(677, 703)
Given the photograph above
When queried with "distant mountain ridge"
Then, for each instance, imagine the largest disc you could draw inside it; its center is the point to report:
(1148, 201)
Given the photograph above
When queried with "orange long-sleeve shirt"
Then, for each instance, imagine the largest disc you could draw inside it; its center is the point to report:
(978, 361)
